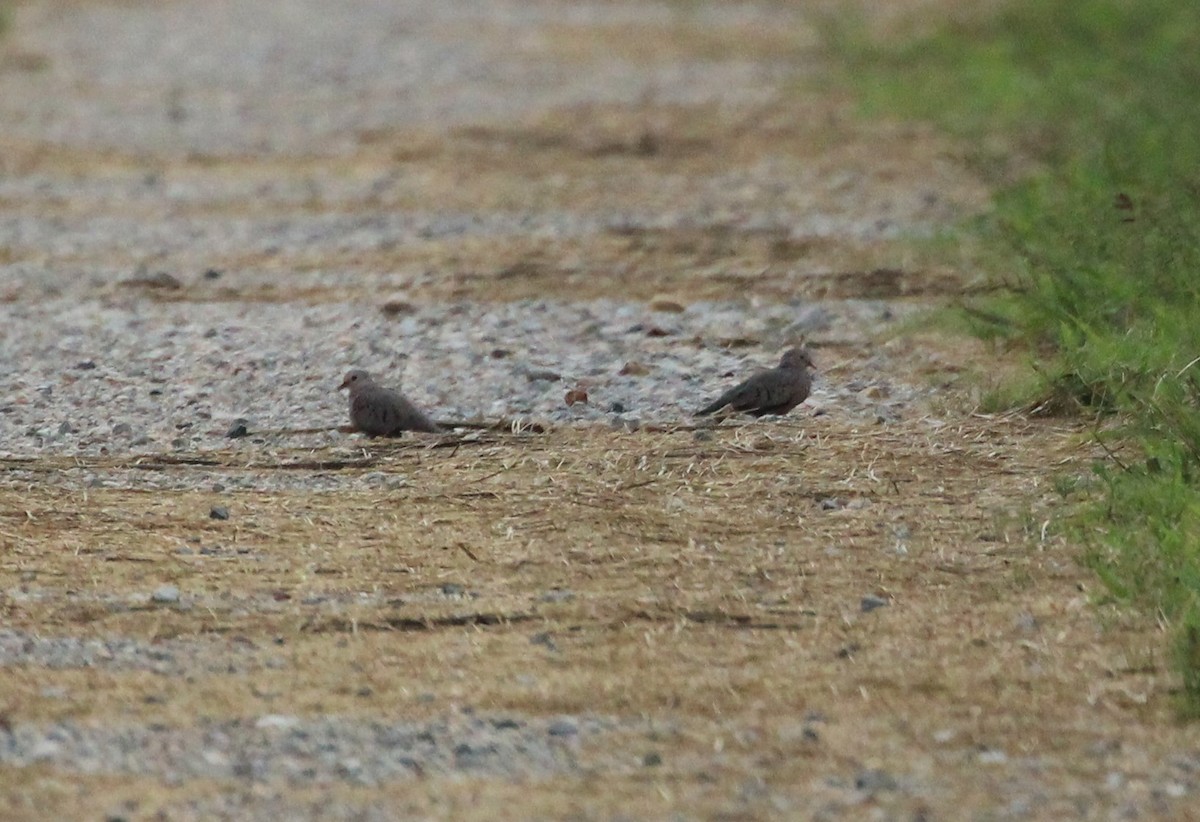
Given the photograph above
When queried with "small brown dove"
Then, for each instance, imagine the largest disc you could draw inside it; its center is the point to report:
(776, 391)
(381, 412)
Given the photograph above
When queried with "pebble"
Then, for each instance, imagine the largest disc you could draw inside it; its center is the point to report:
(1026, 623)
(874, 780)
(871, 602)
(666, 304)
(396, 305)
(218, 512)
(563, 727)
(545, 639)
(543, 374)
(276, 722)
(992, 756)
(165, 595)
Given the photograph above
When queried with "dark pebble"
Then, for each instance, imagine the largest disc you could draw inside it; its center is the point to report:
(159, 279)
(874, 780)
(545, 639)
(219, 512)
(543, 374)
(870, 602)
(86, 365)
(237, 430)
(652, 760)
(452, 589)
(562, 727)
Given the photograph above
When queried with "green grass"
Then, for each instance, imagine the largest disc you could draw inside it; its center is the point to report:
(1083, 114)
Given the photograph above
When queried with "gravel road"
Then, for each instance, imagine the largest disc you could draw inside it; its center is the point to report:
(211, 209)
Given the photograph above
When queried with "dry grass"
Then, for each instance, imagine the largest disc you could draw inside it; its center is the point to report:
(709, 586)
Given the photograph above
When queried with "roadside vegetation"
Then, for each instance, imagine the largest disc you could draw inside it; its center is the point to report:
(1083, 116)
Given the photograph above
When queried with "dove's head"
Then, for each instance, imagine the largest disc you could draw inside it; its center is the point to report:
(797, 358)
(356, 378)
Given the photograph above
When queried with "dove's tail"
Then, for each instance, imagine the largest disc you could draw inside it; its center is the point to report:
(716, 405)
(426, 425)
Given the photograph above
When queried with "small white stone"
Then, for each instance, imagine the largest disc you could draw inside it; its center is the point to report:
(280, 722)
(165, 594)
(43, 750)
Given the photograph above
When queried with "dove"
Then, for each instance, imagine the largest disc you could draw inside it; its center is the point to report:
(776, 391)
(381, 412)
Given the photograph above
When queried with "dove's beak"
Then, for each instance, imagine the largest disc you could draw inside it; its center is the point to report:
(344, 384)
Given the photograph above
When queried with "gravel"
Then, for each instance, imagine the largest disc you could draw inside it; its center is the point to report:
(263, 79)
(170, 377)
(279, 748)
(166, 657)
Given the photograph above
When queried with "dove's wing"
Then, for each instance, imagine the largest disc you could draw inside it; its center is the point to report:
(776, 391)
(382, 412)
(783, 391)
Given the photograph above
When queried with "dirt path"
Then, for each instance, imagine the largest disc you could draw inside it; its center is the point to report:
(862, 611)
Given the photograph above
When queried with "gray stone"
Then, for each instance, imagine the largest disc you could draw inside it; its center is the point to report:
(165, 595)
(870, 602)
(563, 727)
